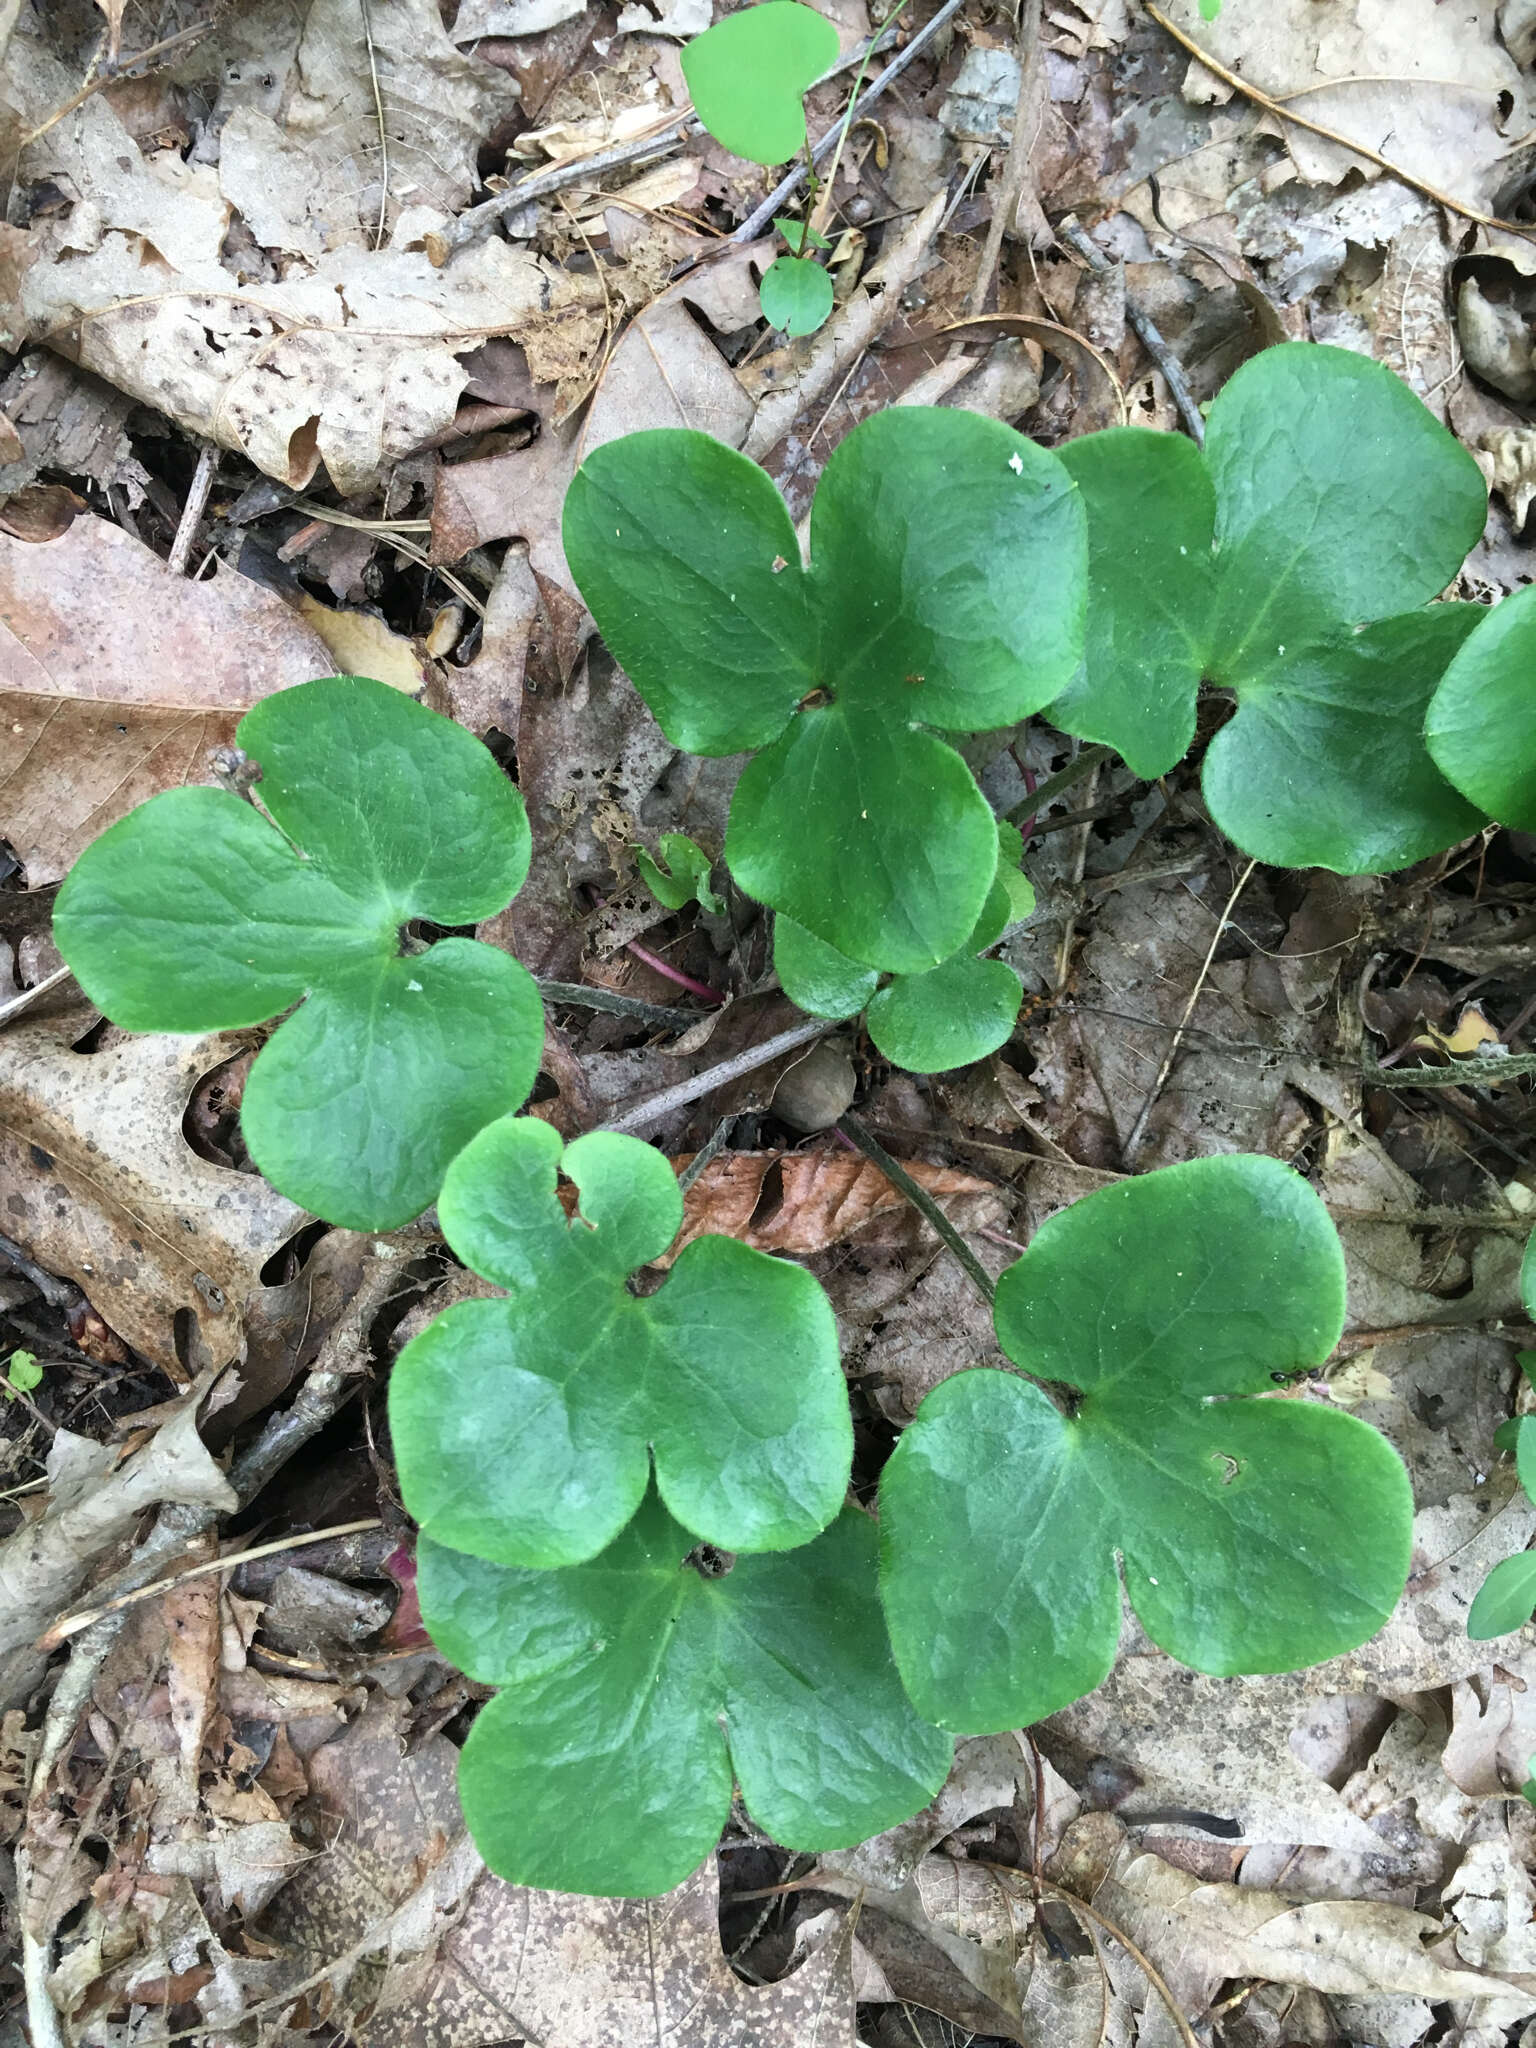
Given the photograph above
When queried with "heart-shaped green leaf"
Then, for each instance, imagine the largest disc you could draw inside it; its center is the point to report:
(196, 913)
(1327, 497)
(748, 73)
(636, 1686)
(525, 1429)
(1482, 722)
(796, 295)
(948, 565)
(927, 1023)
(1255, 1534)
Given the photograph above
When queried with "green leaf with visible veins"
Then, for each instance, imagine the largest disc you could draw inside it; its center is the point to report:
(796, 295)
(636, 1688)
(196, 913)
(1482, 722)
(525, 1429)
(747, 76)
(1256, 1534)
(945, 594)
(1328, 497)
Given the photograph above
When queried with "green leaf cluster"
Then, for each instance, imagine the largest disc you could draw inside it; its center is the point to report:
(946, 1017)
(945, 593)
(684, 879)
(201, 912)
(1506, 1600)
(1157, 1322)
(1290, 563)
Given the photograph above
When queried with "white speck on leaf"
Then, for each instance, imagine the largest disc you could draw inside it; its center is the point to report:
(413, 988)
(1016, 464)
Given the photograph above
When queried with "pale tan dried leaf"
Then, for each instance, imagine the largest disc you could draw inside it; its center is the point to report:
(1343, 1947)
(94, 1502)
(361, 644)
(117, 677)
(472, 1961)
(113, 10)
(813, 1200)
(99, 1183)
(1421, 86)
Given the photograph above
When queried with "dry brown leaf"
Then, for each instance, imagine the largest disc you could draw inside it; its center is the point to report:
(1421, 84)
(801, 1202)
(94, 1502)
(1348, 1947)
(116, 678)
(98, 1182)
(191, 1614)
(471, 1961)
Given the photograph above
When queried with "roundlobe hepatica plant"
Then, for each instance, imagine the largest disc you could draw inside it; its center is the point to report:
(944, 594)
(198, 913)
(637, 1686)
(525, 1429)
(1255, 1534)
(1482, 722)
(1327, 498)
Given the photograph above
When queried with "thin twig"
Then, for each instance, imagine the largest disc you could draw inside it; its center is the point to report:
(639, 1114)
(1283, 113)
(125, 70)
(1478, 1073)
(378, 108)
(701, 1159)
(192, 511)
(1071, 232)
(60, 1294)
(762, 216)
(821, 211)
(1081, 766)
(1143, 1963)
(1005, 204)
(302, 1539)
(28, 996)
(1138, 1129)
(659, 1014)
(899, 1178)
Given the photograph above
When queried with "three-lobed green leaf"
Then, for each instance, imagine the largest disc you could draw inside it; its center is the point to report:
(1327, 498)
(944, 593)
(197, 913)
(748, 73)
(525, 1428)
(637, 1686)
(1482, 720)
(1256, 1534)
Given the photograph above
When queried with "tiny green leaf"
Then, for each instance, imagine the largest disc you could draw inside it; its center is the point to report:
(1209, 9)
(748, 73)
(196, 913)
(1328, 497)
(796, 295)
(636, 1687)
(1482, 722)
(1505, 1600)
(525, 1429)
(22, 1374)
(688, 879)
(1257, 1534)
(945, 593)
(800, 235)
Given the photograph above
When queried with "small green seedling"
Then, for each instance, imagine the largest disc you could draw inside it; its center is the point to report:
(749, 73)
(684, 879)
(1506, 1600)
(1482, 718)
(1327, 498)
(927, 1023)
(23, 1374)
(1255, 1534)
(945, 594)
(199, 912)
(636, 1687)
(525, 1429)
(796, 295)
